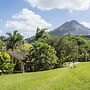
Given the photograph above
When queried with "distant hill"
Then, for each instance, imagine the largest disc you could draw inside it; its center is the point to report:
(30, 40)
(71, 28)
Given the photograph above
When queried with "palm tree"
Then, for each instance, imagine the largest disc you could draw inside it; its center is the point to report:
(14, 39)
(2, 43)
(40, 33)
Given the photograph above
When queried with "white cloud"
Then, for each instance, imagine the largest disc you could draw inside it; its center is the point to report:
(27, 21)
(86, 24)
(71, 5)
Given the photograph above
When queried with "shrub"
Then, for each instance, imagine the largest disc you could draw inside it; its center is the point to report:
(5, 63)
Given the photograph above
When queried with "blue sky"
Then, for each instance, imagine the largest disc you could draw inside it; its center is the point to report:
(26, 15)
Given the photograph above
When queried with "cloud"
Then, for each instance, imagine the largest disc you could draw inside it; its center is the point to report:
(26, 21)
(86, 24)
(71, 5)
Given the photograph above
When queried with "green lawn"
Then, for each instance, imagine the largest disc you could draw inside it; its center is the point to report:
(59, 79)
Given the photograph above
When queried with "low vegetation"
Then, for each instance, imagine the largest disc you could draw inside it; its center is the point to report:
(59, 79)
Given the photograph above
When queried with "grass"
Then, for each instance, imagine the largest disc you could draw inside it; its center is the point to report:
(59, 79)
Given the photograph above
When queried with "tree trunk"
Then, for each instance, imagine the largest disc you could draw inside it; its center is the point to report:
(22, 66)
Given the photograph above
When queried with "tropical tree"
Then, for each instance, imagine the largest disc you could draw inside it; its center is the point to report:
(2, 46)
(42, 56)
(40, 33)
(14, 39)
(69, 48)
(2, 43)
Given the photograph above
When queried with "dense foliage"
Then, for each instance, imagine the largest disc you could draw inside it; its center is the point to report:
(46, 51)
(42, 57)
(14, 39)
(5, 63)
(69, 48)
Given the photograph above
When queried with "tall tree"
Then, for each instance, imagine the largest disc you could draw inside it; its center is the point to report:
(14, 39)
(39, 33)
(42, 57)
(2, 43)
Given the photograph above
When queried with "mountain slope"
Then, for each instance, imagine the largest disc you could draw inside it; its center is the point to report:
(71, 28)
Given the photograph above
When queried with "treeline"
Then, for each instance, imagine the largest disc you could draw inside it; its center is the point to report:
(68, 48)
(45, 52)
